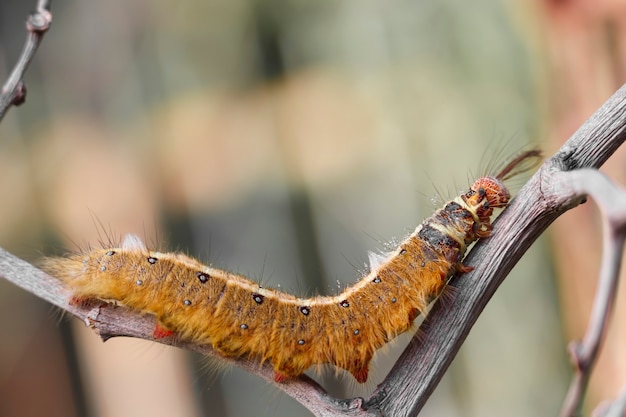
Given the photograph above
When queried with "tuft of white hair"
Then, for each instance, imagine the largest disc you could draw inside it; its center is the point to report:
(133, 242)
(376, 259)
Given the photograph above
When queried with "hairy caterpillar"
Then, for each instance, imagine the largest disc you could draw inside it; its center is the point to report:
(238, 317)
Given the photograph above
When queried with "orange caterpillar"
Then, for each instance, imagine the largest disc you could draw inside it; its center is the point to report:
(238, 317)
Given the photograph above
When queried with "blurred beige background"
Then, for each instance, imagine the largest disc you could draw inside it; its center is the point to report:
(283, 140)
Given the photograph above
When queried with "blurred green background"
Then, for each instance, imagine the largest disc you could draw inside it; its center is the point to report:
(278, 139)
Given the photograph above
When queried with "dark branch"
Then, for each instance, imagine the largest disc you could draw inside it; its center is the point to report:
(14, 90)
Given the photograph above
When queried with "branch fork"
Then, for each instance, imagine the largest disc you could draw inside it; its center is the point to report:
(37, 24)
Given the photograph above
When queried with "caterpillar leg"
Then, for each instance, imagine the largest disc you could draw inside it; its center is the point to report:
(283, 372)
(360, 368)
(85, 301)
(464, 268)
(360, 374)
(291, 366)
(280, 377)
(485, 231)
(161, 332)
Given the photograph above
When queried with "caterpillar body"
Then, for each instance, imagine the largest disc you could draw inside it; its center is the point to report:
(238, 317)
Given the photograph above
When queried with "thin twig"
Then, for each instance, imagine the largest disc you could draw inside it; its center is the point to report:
(14, 90)
(612, 203)
(615, 408)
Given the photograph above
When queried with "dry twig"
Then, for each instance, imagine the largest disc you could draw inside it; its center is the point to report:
(615, 408)
(14, 90)
(612, 202)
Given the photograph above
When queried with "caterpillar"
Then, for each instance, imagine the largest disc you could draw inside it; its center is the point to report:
(240, 318)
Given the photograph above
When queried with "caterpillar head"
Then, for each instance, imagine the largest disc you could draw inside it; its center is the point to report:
(489, 192)
(484, 195)
(494, 191)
